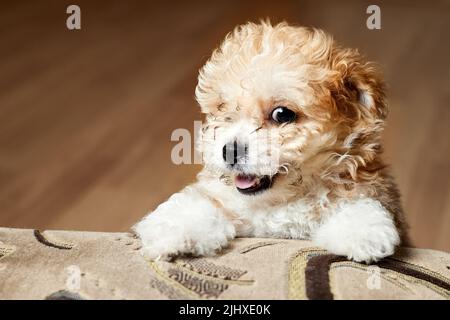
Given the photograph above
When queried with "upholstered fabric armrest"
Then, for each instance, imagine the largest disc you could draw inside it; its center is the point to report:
(92, 265)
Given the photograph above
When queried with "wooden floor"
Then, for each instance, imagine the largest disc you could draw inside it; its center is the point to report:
(86, 116)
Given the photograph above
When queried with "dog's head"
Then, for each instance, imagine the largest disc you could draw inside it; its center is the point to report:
(286, 106)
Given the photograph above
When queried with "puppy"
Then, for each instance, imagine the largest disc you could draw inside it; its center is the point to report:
(291, 149)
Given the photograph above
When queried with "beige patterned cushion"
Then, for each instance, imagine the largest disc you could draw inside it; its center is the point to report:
(91, 265)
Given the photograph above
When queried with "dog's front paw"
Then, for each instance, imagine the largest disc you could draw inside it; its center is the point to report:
(362, 231)
(160, 241)
(165, 240)
(186, 224)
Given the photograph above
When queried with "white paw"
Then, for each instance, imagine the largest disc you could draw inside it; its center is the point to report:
(186, 224)
(362, 231)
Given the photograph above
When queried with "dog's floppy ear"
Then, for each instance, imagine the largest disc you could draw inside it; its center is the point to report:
(358, 89)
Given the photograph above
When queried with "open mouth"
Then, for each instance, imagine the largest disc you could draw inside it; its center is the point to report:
(251, 184)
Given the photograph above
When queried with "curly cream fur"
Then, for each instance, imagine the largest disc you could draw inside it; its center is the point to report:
(328, 162)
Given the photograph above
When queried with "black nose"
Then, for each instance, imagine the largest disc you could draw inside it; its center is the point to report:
(234, 153)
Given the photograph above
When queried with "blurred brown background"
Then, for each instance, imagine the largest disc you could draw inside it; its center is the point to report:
(86, 116)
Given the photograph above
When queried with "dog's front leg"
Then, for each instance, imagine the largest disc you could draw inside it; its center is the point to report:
(187, 223)
(362, 230)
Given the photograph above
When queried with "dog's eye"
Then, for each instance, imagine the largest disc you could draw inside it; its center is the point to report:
(283, 115)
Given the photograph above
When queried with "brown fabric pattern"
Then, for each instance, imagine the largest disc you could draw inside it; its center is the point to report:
(317, 278)
(167, 290)
(40, 237)
(94, 265)
(256, 246)
(205, 267)
(64, 295)
(413, 271)
(196, 280)
(5, 251)
(206, 288)
(318, 265)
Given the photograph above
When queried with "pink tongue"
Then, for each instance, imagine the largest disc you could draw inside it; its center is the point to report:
(245, 182)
